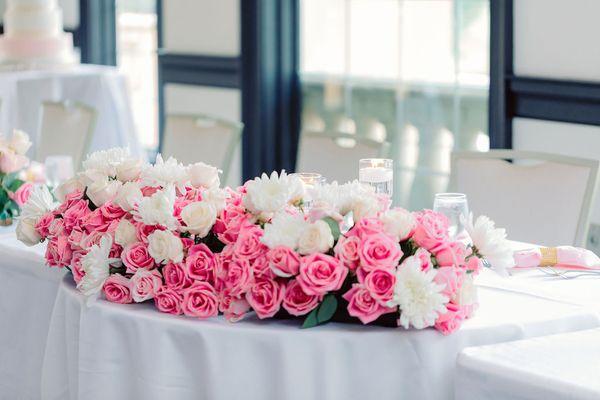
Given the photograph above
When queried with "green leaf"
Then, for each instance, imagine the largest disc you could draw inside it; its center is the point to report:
(14, 185)
(311, 319)
(334, 226)
(326, 309)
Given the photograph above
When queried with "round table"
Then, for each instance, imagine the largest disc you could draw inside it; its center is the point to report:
(100, 350)
(101, 87)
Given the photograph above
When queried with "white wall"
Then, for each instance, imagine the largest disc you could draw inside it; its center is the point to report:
(208, 27)
(557, 39)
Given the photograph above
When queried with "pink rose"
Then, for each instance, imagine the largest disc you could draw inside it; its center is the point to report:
(265, 297)
(142, 231)
(112, 211)
(248, 244)
(76, 268)
(136, 256)
(379, 250)
(145, 284)
(236, 276)
(346, 250)
(320, 273)
(96, 222)
(283, 261)
(11, 162)
(363, 306)
(76, 237)
(58, 252)
(380, 283)
(261, 267)
(366, 227)
(178, 206)
(450, 253)
(451, 278)
(148, 191)
(450, 321)
(431, 230)
(75, 214)
(474, 264)
(117, 289)
(200, 301)
(168, 300)
(175, 276)
(22, 194)
(57, 227)
(233, 308)
(200, 263)
(297, 302)
(424, 258)
(43, 225)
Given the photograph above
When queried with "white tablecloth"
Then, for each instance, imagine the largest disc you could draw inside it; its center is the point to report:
(558, 367)
(27, 293)
(109, 351)
(101, 87)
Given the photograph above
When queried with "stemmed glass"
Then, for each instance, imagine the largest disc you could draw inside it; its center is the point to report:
(456, 208)
(378, 173)
(58, 169)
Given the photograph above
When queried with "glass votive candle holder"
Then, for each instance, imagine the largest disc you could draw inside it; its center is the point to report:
(378, 173)
(310, 180)
(456, 207)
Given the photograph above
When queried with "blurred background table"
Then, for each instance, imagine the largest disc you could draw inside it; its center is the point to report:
(99, 87)
(557, 367)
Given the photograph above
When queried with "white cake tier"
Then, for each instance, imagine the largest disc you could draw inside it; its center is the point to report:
(51, 50)
(33, 21)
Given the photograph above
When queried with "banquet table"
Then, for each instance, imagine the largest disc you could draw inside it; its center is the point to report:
(97, 350)
(557, 367)
(27, 294)
(101, 87)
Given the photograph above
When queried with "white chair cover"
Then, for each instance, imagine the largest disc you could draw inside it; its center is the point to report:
(546, 202)
(336, 156)
(193, 138)
(66, 128)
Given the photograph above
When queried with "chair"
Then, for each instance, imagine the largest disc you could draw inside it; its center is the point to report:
(193, 138)
(336, 155)
(66, 128)
(539, 198)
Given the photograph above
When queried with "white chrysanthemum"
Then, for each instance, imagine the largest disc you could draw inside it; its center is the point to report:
(491, 243)
(204, 175)
(270, 194)
(164, 173)
(39, 203)
(106, 161)
(353, 197)
(158, 209)
(419, 297)
(284, 230)
(96, 265)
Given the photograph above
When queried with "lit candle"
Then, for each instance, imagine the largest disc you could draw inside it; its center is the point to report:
(377, 173)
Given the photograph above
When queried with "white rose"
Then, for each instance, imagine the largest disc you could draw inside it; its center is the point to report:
(204, 175)
(102, 191)
(129, 196)
(129, 170)
(199, 217)
(27, 233)
(125, 233)
(68, 186)
(316, 238)
(398, 223)
(467, 293)
(164, 246)
(216, 197)
(284, 230)
(365, 207)
(158, 209)
(20, 142)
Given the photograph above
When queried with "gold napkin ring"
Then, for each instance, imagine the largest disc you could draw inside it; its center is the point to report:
(549, 256)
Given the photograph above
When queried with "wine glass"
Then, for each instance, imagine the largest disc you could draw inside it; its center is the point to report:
(59, 168)
(378, 173)
(456, 208)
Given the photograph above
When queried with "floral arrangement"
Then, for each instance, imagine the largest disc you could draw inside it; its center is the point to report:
(15, 185)
(167, 233)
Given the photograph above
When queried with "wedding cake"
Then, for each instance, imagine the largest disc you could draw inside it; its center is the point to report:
(33, 34)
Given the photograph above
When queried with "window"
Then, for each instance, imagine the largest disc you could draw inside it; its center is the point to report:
(412, 72)
(136, 59)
